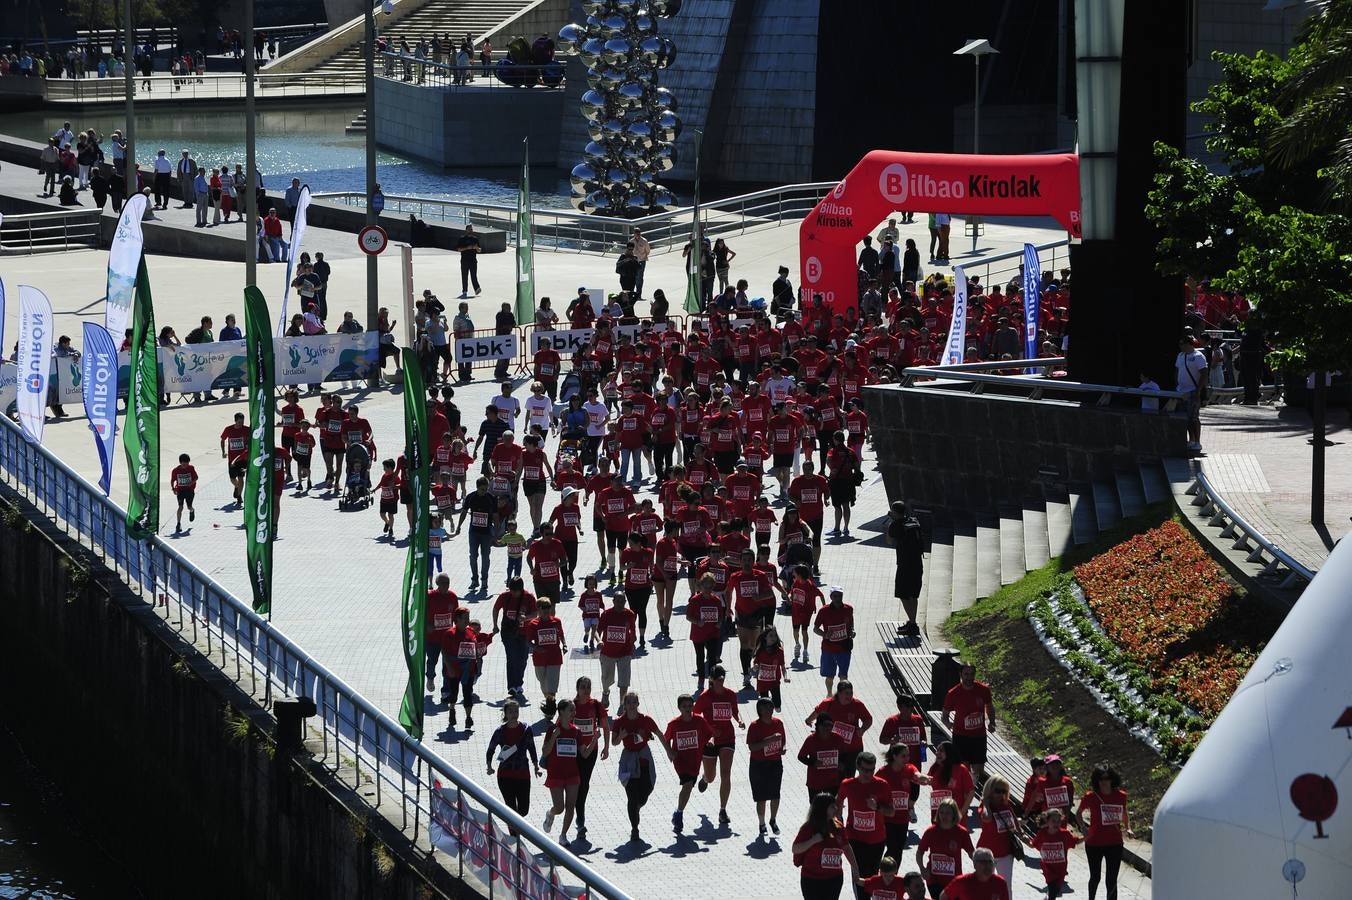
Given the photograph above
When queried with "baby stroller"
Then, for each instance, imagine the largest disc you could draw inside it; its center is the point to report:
(357, 494)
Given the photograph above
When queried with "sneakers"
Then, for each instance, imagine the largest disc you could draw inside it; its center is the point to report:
(677, 821)
(762, 829)
(549, 821)
(703, 785)
(633, 835)
(774, 826)
(192, 514)
(431, 683)
(723, 817)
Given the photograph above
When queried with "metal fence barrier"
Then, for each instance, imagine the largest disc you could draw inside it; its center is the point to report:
(208, 86)
(1277, 562)
(492, 849)
(59, 230)
(975, 378)
(500, 74)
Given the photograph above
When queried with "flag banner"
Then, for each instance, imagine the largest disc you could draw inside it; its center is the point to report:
(35, 360)
(413, 614)
(955, 349)
(317, 358)
(2, 313)
(489, 346)
(258, 494)
(570, 340)
(98, 377)
(9, 383)
(298, 224)
(1032, 298)
(696, 258)
(141, 436)
(124, 256)
(525, 249)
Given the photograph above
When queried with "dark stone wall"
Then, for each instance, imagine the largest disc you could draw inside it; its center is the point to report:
(959, 453)
(168, 763)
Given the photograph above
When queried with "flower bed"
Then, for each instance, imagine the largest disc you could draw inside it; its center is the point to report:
(1158, 634)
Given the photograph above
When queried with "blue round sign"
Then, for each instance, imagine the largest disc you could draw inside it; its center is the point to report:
(378, 201)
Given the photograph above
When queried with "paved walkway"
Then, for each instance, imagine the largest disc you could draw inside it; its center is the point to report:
(1259, 458)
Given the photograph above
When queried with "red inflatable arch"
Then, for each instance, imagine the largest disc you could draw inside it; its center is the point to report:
(887, 181)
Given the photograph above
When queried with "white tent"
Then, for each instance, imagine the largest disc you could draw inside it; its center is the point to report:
(1229, 826)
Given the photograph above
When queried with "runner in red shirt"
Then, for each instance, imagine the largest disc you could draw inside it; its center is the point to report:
(718, 706)
(561, 752)
(1108, 821)
(442, 604)
(546, 557)
(329, 420)
(886, 885)
(183, 482)
(867, 799)
(856, 426)
(686, 736)
(903, 780)
(443, 496)
(666, 569)
(949, 780)
(546, 364)
(281, 461)
(636, 565)
(235, 451)
(811, 492)
(1054, 842)
(646, 522)
(617, 627)
(980, 884)
(999, 824)
(907, 727)
(820, 850)
(548, 644)
(303, 452)
(756, 410)
(768, 666)
(821, 754)
(850, 719)
(765, 739)
(750, 589)
(783, 429)
(743, 489)
(706, 613)
(615, 504)
(535, 475)
(566, 521)
(804, 600)
(387, 489)
(970, 712)
(945, 842)
(290, 416)
(835, 625)
(724, 438)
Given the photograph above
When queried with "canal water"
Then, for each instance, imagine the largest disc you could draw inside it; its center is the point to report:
(307, 143)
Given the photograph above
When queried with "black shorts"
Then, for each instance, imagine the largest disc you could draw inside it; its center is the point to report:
(842, 491)
(768, 617)
(388, 507)
(185, 497)
(599, 525)
(766, 775)
(751, 620)
(970, 749)
(726, 460)
(638, 596)
(617, 540)
(405, 496)
(288, 441)
(712, 750)
(533, 488)
(302, 461)
(782, 460)
(239, 468)
(816, 526)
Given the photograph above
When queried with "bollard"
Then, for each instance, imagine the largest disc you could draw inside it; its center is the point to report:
(944, 673)
(291, 714)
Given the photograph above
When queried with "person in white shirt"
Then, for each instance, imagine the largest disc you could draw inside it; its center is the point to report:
(779, 387)
(642, 250)
(1192, 380)
(1149, 404)
(508, 406)
(64, 136)
(163, 169)
(944, 222)
(539, 409)
(597, 417)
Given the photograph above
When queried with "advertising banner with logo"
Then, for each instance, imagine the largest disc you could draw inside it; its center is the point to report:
(98, 374)
(885, 182)
(9, 380)
(35, 360)
(297, 235)
(413, 609)
(124, 255)
(141, 435)
(1032, 299)
(954, 348)
(193, 368)
(570, 340)
(487, 347)
(258, 493)
(318, 358)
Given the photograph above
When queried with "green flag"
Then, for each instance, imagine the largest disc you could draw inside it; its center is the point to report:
(141, 435)
(525, 262)
(413, 606)
(258, 496)
(696, 260)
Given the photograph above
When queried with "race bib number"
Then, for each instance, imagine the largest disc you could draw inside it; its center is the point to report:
(570, 519)
(288, 418)
(566, 747)
(638, 576)
(478, 519)
(547, 637)
(901, 801)
(690, 528)
(767, 672)
(721, 712)
(467, 650)
(974, 721)
(942, 865)
(614, 506)
(586, 726)
(937, 796)
(236, 443)
(442, 620)
(532, 473)
(837, 632)
(1004, 820)
(810, 495)
(501, 484)
(843, 730)
(863, 819)
(828, 759)
(762, 526)
(782, 436)
(446, 502)
(1053, 852)
(687, 740)
(334, 426)
(353, 437)
(724, 436)
(741, 492)
(546, 368)
(549, 569)
(1110, 814)
(749, 589)
(629, 425)
(710, 614)
(909, 736)
(434, 542)
(831, 858)
(774, 746)
(616, 634)
(1057, 797)
(184, 480)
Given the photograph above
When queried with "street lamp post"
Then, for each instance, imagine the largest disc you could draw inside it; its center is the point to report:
(976, 48)
(250, 154)
(372, 216)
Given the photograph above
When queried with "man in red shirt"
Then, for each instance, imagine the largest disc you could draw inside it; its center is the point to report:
(981, 883)
(864, 800)
(835, 625)
(969, 712)
(183, 482)
(442, 604)
(548, 645)
(810, 492)
(506, 461)
(546, 560)
(235, 451)
(686, 735)
(615, 504)
(743, 489)
(821, 754)
(783, 429)
(633, 429)
(546, 364)
(618, 633)
(850, 718)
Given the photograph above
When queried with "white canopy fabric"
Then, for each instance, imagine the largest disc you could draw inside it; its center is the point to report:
(1228, 826)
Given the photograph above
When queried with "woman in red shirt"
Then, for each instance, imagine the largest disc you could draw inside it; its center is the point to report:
(768, 664)
(513, 745)
(706, 613)
(561, 753)
(945, 841)
(591, 719)
(951, 780)
(765, 739)
(904, 780)
(718, 706)
(868, 798)
(999, 826)
(636, 566)
(1106, 804)
(804, 599)
(633, 730)
(820, 850)
(666, 567)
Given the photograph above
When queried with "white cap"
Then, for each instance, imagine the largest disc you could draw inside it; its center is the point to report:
(837, 589)
(569, 491)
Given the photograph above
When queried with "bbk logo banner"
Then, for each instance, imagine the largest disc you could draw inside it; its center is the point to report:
(488, 347)
(570, 340)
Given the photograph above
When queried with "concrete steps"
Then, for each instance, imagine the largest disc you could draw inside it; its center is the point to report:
(972, 558)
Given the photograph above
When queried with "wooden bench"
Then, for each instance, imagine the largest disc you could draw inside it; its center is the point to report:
(913, 658)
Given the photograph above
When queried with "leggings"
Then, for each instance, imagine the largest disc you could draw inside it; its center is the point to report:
(771, 691)
(638, 602)
(1113, 854)
(707, 655)
(570, 563)
(896, 837)
(516, 793)
(868, 856)
(585, 765)
(637, 789)
(662, 455)
(821, 888)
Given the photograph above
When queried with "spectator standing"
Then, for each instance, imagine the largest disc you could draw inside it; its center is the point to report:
(163, 169)
(202, 334)
(47, 166)
(187, 171)
(202, 192)
(904, 535)
(933, 223)
(503, 324)
(462, 327)
(945, 224)
(469, 248)
(322, 270)
(272, 230)
(1193, 374)
(642, 250)
(723, 257)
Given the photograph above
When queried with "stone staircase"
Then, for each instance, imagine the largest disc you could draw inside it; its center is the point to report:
(357, 125)
(971, 558)
(436, 17)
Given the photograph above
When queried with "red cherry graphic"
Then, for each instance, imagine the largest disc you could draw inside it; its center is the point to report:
(1316, 798)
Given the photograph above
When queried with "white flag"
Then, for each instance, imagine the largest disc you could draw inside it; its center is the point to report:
(124, 255)
(297, 235)
(954, 349)
(35, 359)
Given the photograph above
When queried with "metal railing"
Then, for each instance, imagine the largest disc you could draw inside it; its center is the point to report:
(566, 229)
(975, 378)
(208, 86)
(60, 230)
(1219, 514)
(1053, 257)
(495, 850)
(422, 71)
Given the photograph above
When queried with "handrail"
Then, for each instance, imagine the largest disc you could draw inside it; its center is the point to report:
(55, 230)
(972, 376)
(1234, 525)
(422, 71)
(970, 267)
(373, 738)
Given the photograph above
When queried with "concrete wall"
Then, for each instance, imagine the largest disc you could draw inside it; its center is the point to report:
(468, 127)
(541, 17)
(957, 453)
(167, 761)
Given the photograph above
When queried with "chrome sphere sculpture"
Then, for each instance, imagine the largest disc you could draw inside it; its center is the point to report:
(631, 121)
